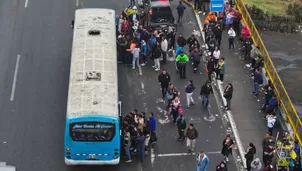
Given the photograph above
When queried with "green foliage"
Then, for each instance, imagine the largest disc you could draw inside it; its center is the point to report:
(296, 11)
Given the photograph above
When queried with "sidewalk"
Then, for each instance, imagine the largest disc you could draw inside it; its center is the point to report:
(245, 118)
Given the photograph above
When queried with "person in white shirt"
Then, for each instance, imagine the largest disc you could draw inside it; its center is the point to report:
(271, 121)
(135, 60)
(216, 55)
(232, 36)
(164, 48)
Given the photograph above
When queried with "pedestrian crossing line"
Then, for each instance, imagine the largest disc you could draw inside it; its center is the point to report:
(184, 154)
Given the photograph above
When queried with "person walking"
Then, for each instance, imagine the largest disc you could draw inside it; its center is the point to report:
(181, 40)
(172, 92)
(258, 80)
(222, 167)
(211, 67)
(127, 145)
(232, 35)
(220, 70)
(175, 108)
(164, 48)
(249, 155)
(144, 51)
(182, 61)
(205, 92)
(227, 146)
(189, 93)
(181, 126)
(191, 136)
(228, 94)
(156, 56)
(180, 11)
(195, 55)
(164, 80)
(152, 126)
(202, 161)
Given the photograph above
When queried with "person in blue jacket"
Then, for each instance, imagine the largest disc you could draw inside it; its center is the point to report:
(178, 50)
(202, 161)
(152, 42)
(152, 127)
(144, 50)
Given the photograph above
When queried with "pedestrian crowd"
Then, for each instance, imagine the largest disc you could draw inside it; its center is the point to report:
(139, 46)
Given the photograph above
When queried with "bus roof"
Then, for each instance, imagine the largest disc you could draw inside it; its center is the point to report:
(93, 85)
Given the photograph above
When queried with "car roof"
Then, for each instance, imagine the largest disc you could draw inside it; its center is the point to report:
(160, 4)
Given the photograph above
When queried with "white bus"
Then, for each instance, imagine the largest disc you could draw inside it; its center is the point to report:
(92, 132)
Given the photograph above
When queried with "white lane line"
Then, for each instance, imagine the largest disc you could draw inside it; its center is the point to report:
(184, 154)
(139, 167)
(140, 70)
(12, 96)
(26, 3)
(77, 3)
(152, 157)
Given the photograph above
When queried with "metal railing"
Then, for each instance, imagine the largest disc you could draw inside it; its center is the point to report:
(291, 114)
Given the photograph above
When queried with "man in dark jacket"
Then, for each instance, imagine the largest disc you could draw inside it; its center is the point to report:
(257, 81)
(205, 92)
(180, 11)
(181, 41)
(218, 34)
(211, 68)
(122, 46)
(171, 39)
(189, 93)
(195, 56)
(191, 135)
(164, 80)
(228, 94)
(152, 127)
(181, 126)
(190, 41)
(156, 53)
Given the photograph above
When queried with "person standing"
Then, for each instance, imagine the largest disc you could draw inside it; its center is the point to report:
(228, 94)
(127, 145)
(164, 80)
(191, 136)
(140, 147)
(195, 55)
(152, 126)
(156, 56)
(181, 126)
(202, 161)
(189, 93)
(211, 66)
(249, 156)
(205, 92)
(181, 41)
(216, 55)
(227, 146)
(220, 70)
(182, 61)
(258, 80)
(135, 59)
(271, 121)
(175, 108)
(164, 48)
(222, 167)
(232, 35)
(144, 51)
(180, 11)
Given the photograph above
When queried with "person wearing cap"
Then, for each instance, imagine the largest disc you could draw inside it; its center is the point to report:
(191, 136)
(189, 93)
(133, 15)
(202, 161)
(182, 61)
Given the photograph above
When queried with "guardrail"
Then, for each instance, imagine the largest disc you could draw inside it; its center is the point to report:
(291, 114)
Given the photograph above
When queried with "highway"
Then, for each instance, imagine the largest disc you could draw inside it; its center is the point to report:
(35, 49)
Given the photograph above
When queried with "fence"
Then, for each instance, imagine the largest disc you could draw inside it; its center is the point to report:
(291, 114)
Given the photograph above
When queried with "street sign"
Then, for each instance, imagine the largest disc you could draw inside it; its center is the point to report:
(217, 5)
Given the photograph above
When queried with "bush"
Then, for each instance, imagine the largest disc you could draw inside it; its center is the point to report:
(283, 24)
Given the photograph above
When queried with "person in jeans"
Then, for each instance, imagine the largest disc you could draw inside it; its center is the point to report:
(258, 80)
(164, 80)
(202, 161)
(181, 126)
(191, 135)
(127, 145)
(135, 59)
(232, 35)
(180, 11)
(228, 94)
(189, 93)
(205, 92)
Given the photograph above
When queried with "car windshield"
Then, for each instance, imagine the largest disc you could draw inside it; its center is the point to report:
(92, 131)
(162, 15)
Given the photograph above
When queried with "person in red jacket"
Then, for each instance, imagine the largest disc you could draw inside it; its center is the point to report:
(245, 32)
(126, 27)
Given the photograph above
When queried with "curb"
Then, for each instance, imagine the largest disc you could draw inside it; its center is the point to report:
(220, 88)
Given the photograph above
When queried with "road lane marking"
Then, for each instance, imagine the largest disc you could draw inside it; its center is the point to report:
(152, 157)
(140, 70)
(15, 78)
(77, 3)
(26, 3)
(184, 154)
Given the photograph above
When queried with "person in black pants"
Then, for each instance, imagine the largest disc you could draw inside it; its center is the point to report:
(164, 80)
(181, 126)
(180, 11)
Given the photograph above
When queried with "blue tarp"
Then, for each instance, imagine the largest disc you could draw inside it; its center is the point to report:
(217, 5)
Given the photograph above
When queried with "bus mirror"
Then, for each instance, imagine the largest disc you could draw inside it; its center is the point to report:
(120, 108)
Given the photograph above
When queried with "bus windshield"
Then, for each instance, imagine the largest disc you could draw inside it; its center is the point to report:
(92, 131)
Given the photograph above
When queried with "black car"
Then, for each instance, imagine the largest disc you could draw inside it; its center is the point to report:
(160, 15)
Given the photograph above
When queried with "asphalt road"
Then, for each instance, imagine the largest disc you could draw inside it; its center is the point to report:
(35, 50)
